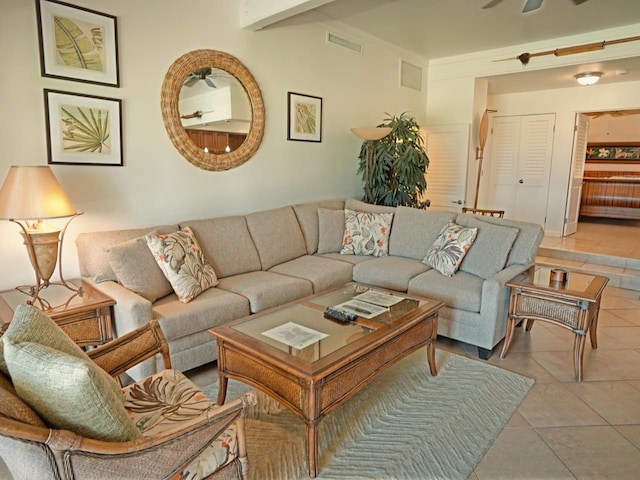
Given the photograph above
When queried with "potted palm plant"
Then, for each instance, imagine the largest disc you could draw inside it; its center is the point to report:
(393, 168)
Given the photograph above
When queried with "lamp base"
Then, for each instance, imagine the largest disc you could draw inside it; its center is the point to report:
(33, 291)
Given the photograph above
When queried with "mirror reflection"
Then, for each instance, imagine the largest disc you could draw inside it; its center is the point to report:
(214, 110)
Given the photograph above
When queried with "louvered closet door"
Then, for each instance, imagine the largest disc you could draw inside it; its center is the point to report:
(521, 151)
(581, 132)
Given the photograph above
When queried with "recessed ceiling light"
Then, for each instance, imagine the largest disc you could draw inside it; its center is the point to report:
(588, 78)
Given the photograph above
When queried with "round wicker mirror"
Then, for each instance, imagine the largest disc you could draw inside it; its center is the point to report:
(171, 88)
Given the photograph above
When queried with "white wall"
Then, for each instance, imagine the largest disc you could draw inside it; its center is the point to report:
(157, 185)
(455, 97)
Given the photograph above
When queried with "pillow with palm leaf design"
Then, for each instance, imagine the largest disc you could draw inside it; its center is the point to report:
(181, 260)
(366, 233)
(449, 248)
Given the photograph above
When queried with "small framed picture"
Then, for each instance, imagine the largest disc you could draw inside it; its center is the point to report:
(83, 129)
(77, 43)
(304, 119)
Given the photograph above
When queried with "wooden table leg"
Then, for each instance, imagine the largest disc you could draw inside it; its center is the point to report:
(508, 338)
(312, 448)
(431, 358)
(222, 388)
(578, 351)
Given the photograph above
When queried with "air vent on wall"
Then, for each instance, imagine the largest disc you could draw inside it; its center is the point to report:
(410, 75)
(343, 42)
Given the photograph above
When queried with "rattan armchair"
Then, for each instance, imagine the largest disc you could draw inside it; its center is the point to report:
(32, 451)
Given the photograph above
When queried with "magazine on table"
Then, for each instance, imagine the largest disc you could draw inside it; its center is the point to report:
(294, 335)
(381, 299)
(362, 309)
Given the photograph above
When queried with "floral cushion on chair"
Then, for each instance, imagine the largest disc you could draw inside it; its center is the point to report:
(366, 233)
(160, 402)
(449, 248)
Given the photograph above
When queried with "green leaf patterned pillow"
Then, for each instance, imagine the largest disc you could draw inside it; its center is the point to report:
(182, 262)
(366, 233)
(449, 248)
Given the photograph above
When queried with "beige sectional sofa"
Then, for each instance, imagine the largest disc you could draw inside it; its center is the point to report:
(268, 258)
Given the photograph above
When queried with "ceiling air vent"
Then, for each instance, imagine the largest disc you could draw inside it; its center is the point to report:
(343, 42)
(410, 75)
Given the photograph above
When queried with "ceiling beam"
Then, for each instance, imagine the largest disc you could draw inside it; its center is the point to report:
(257, 14)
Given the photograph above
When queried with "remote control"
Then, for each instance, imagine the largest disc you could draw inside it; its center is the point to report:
(340, 315)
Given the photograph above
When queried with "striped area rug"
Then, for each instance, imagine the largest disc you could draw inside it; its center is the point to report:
(404, 425)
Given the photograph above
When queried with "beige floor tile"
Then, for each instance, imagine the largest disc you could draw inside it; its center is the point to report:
(598, 365)
(520, 454)
(524, 364)
(631, 433)
(553, 405)
(609, 318)
(616, 402)
(624, 337)
(594, 452)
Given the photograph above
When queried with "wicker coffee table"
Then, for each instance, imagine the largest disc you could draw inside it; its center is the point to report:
(573, 303)
(311, 364)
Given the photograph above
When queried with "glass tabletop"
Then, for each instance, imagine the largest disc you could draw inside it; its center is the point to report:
(574, 281)
(303, 331)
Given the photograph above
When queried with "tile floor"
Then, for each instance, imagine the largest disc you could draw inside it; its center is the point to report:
(563, 429)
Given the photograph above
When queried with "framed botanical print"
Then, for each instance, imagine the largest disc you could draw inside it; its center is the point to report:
(83, 129)
(77, 43)
(304, 119)
(620, 152)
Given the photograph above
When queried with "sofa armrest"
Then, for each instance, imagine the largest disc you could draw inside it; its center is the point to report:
(495, 304)
(131, 310)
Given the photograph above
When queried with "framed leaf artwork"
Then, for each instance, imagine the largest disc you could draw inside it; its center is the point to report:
(77, 43)
(304, 118)
(83, 129)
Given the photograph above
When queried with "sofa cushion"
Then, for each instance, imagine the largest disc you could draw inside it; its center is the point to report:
(366, 233)
(525, 246)
(266, 289)
(322, 272)
(462, 291)
(11, 406)
(137, 270)
(183, 263)
(211, 308)
(360, 206)
(331, 230)
(391, 272)
(490, 248)
(92, 249)
(74, 394)
(414, 231)
(277, 236)
(226, 244)
(307, 215)
(352, 259)
(449, 248)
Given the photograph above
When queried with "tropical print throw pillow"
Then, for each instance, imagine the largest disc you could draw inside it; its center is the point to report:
(182, 261)
(449, 248)
(366, 233)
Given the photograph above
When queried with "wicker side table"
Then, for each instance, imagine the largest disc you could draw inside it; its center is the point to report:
(85, 318)
(573, 304)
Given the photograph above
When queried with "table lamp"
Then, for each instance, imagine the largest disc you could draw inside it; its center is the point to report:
(29, 195)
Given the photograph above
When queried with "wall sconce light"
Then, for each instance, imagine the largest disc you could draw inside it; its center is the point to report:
(29, 195)
(588, 78)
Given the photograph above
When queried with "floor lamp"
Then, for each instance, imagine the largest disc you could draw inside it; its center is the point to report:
(28, 196)
(370, 135)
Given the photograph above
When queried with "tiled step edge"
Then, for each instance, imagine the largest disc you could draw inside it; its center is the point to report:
(587, 257)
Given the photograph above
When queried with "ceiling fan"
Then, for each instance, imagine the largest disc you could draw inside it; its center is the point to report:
(200, 74)
(529, 6)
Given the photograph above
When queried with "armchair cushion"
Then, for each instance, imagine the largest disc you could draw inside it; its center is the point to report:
(74, 394)
(168, 400)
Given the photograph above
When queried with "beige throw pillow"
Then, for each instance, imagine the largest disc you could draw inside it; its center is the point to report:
(182, 262)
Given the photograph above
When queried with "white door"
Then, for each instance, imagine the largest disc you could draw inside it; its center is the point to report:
(521, 153)
(448, 149)
(581, 131)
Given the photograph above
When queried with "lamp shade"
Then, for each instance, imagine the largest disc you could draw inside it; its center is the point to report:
(371, 133)
(33, 193)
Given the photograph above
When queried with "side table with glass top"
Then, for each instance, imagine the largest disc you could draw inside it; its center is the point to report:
(86, 316)
(573, 303)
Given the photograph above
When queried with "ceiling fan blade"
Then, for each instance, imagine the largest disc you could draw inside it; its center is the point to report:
(492, 3)
(190, 81)
(532, 5)
(579, 2)
(209, 82)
